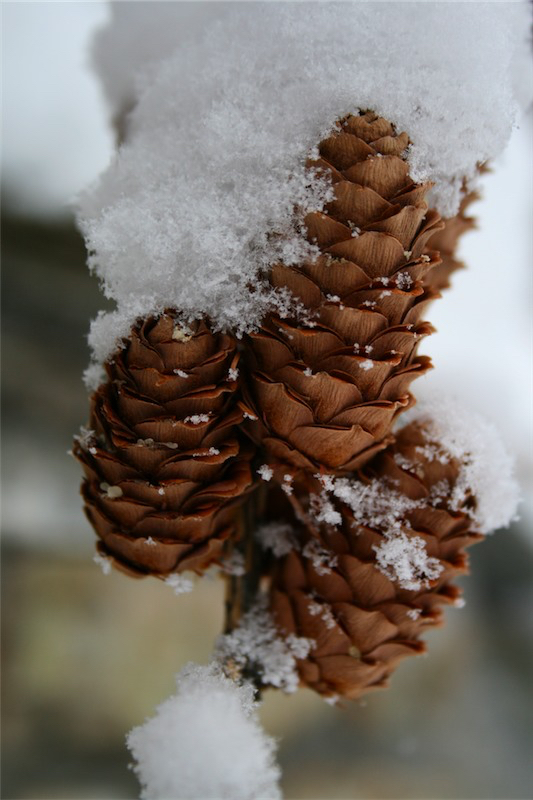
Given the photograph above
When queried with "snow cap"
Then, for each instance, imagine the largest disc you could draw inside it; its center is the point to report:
(200, 201)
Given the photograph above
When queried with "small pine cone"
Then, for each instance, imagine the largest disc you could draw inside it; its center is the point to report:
(327, 386)
(164, 470)
(376, 557)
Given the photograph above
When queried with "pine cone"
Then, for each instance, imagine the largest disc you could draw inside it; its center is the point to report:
(376, 558)
(327, 387)
(164, 470)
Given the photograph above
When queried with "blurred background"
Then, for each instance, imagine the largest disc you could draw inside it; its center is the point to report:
(88, 656)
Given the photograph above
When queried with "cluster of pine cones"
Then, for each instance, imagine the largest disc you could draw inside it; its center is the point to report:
(192, 427)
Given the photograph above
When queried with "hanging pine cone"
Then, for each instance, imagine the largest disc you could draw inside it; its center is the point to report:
(164, 470)
(327, 387)
(376, 557)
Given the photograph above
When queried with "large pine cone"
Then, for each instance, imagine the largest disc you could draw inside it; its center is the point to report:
(376, 558)
(327, 388)
(164, 469)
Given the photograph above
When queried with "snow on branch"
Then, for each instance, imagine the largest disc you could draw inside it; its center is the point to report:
(199, 201)
(257, 644)
(205, 743)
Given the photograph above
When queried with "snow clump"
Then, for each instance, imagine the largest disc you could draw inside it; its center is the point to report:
(256, 642)
(205, 742)
(486, 468)
(200, 200)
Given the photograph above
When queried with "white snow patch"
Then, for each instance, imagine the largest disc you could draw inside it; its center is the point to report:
(179, 583)
(111, 492)
(280, 537)
(379, 506)
(257, 643)
(322, 560)
(322, 610)
(214, 163)
(265, 472)
(86, 438)
(404, 559)
(374, 504)
(197, 419)
(104, 562)
(234, 564)
(487, 470)
(287, 484)
(323, 509)
(205, 741)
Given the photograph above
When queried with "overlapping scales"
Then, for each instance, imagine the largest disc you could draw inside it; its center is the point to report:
(334, 588)
(164, 468)
(327, 384)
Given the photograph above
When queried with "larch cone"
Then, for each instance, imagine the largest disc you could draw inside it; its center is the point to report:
(345, 585)
(327, 387)
(165, 471)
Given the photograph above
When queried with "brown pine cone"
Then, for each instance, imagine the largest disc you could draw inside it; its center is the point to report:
(327, 386)
(376, 557)
(164, 470)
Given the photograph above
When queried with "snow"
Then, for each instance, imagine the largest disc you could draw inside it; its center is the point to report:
(179, 583)
(137, 38)
(287, 486)
(404, 559)
(378, 505)
(279, 537)
(322, 610)
(234, 564)
(264, 471)
(487, 470)
(485, 474)
(103, 562)
(111, 492)
(205, 742)
(323, 510)
(86, 438)
(375, 504)
(257, 643)
(197, 419)
(322, 560)
(215, 158)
